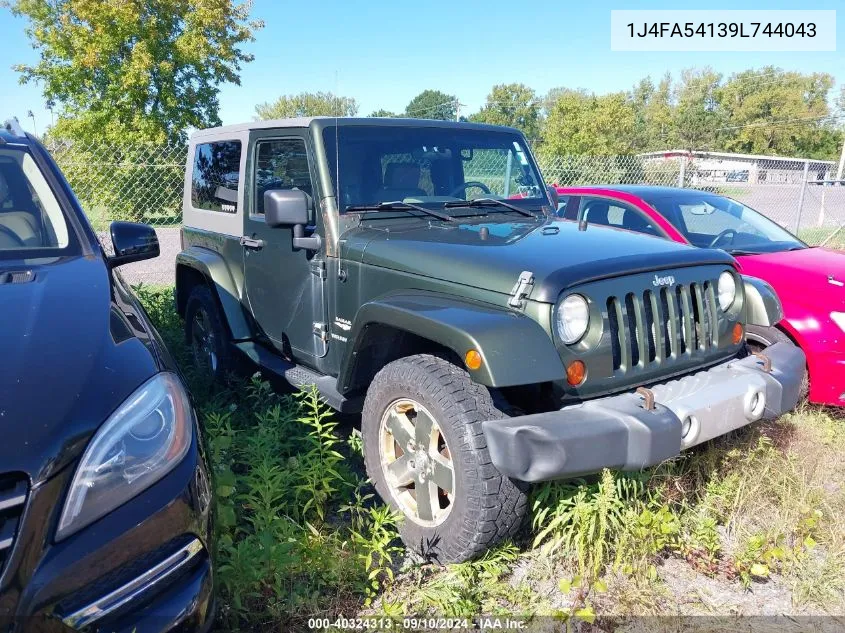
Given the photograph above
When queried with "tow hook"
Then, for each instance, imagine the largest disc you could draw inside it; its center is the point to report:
(648, 398)
(767, 362)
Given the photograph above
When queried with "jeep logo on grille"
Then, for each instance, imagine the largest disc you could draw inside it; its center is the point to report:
(668, 280)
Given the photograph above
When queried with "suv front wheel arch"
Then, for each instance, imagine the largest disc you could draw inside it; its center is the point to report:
(427, 455)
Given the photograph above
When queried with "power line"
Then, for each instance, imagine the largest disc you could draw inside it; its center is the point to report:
(430, 108)
(782, 122)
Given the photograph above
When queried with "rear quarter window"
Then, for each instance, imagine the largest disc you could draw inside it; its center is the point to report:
(216, 176)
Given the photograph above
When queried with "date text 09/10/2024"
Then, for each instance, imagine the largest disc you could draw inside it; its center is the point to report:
(482, 623)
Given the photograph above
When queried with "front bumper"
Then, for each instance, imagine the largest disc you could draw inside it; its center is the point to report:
(619, 432)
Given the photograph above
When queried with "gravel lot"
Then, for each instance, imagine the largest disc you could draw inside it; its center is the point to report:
(158, 271)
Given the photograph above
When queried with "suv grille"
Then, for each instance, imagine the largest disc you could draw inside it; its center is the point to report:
(13, 492)
(654, 325)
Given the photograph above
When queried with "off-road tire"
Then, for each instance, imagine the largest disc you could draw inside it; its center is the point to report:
(201, 301)
(487, 507)
(759, 338)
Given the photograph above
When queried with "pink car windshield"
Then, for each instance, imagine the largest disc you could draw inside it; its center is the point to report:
(709, 220)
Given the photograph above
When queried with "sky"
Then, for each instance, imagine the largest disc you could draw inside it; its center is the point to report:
(383, 52)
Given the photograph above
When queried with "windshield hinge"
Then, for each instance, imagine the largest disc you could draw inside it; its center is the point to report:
(318, 267)
(521, 289)
(321, 331)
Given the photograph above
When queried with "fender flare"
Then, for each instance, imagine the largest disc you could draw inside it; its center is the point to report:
(515, 350)
(763, 306)
(214, 268)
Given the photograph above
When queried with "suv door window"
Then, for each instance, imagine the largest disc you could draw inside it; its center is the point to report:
(280, 164)
(617, 214)
(30, 214)
(216, 176)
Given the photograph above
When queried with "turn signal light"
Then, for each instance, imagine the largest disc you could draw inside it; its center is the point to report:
(738, 334)
(576, 372)
(473, 359)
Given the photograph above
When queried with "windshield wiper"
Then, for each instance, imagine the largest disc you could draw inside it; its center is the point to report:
(739, 251)
(486, 202)
(400, 206)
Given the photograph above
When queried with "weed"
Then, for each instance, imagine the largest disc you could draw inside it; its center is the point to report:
(587, 519)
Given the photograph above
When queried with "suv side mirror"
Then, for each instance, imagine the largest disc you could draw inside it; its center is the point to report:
(132, 242)
(554, 197)
(289, 207)
(285, 207)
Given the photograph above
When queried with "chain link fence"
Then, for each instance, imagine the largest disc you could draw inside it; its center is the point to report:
(139, 182)
(143, 182)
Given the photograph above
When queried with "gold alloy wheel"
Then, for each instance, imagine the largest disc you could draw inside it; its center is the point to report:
(416, 462)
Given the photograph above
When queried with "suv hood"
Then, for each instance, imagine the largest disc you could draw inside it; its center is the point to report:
(72, 351)
(483, 254)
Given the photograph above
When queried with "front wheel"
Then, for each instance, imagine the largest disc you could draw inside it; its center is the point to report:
(427, 455)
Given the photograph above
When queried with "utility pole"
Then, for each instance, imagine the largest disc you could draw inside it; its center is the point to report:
(32, 116)
(841, 161)
(458, 112)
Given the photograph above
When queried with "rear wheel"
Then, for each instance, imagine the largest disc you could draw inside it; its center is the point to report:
(759, 338)
(206, 334)
(427, 456)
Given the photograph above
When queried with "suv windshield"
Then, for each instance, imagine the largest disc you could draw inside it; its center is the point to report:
(708, 220)
(31, 218)
(430, 166)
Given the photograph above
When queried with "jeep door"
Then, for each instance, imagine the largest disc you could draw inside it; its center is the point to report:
(284, 286)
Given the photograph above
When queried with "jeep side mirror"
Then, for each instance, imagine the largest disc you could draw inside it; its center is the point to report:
(132, 242)
(289, 207)
(285, 207)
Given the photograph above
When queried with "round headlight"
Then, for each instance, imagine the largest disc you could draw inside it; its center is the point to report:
(727, 290)
(573, 317)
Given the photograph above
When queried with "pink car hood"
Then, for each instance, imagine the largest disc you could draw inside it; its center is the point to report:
(809, 277)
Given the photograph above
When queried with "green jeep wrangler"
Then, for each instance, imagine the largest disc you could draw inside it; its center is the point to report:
(413, 271)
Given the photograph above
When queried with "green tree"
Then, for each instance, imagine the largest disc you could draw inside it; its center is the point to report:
(433, 104)
(652, 106)
(698, 114)
(772, 111)
(307, 104)
(583, 123)
(515, 105)
(134, 70)
(385, 114)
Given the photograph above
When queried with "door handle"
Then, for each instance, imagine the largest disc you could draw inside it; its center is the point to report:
(250, 242)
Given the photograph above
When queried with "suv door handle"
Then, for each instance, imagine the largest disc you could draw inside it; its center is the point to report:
(249, 242)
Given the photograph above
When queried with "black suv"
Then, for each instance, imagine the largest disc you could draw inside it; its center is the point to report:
(104, 494)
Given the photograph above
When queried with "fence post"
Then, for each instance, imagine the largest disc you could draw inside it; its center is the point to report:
(801, 196)
(682, 171)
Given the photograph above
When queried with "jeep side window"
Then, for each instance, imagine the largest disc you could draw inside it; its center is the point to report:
(216, 176)
(617, 214)
(280, 164)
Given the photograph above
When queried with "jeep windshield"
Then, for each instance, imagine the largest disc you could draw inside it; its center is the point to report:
(32, 223)
(431, 166)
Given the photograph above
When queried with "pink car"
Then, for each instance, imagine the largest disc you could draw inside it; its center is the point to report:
(809, 281)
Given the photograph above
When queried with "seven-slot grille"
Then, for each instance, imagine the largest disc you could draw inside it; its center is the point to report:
(13, 491)
(669, 322)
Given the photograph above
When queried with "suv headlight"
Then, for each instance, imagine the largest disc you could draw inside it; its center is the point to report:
(142, 441)
(573, 318)
(726, 290)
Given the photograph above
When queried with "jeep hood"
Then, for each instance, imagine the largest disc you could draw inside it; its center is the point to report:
(72, 351)
(479, 253)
